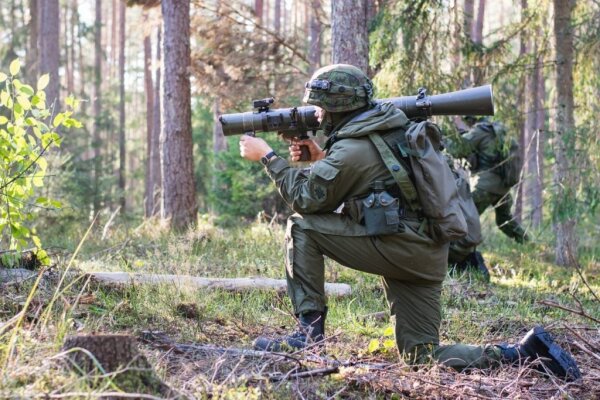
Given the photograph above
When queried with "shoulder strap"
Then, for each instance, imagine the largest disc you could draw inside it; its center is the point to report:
(399, 173)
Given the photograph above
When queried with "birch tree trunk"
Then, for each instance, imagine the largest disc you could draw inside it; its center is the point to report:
(178, 190)
(350, 40)
(565, 178)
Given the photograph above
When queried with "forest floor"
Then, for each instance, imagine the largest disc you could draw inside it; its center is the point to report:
(199, 341)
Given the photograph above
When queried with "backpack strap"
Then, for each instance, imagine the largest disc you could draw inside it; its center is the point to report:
(398, 171)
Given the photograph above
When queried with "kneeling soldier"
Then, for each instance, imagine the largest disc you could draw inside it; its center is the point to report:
(350, 171)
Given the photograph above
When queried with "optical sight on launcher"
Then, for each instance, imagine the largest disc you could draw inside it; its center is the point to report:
(296, 122)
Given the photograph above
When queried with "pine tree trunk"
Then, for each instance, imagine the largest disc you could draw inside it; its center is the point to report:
(523, 96)
(456, 43)
(258, 10)
(534, 141)
(219, 142)
(70, 33)
(114, 38)
(97, 99)
(32, 59)
(350, 40)
(155, 170)
(469, 13)
(49, 49)
(122, 148)
(277, 21)
(314, 52)
(537, 169)
(477, 38)
(149, 90)
(477, 28)
(178, 189)
(565, 178)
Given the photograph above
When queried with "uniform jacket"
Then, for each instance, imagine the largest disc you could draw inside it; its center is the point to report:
(351, 165)
(481, 142)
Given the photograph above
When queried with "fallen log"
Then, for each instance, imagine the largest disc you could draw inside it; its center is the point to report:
(232, 284)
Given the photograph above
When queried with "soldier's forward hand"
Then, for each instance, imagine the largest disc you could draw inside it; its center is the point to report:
(316, 153)
(253, 148)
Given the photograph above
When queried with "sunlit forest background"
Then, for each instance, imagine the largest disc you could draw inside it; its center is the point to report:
(108, 56)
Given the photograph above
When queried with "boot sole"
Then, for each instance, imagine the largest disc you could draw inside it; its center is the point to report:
(560, 362)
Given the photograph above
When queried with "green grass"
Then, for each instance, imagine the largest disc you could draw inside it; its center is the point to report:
(474, 312)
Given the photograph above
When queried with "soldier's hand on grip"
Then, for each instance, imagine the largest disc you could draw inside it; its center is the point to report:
(315, 151)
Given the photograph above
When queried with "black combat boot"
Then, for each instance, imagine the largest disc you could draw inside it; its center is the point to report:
(474, 262)
(310, 331)
(538, 344)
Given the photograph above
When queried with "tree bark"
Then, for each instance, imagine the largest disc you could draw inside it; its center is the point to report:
(122, 148)
(97, 99)
(477, 39)
(534, 139)
(477, 32)
(219, 142)
(49, 49)
(258, 10)
(155, 170)
(114, 39)
(537, 168)
(350, 41)
(32, 58)
(149, 90)
(565, 177)
(178, 189)
(468, 14)
(314, 52)
(277, 21)
(70, 33)
(523, 100)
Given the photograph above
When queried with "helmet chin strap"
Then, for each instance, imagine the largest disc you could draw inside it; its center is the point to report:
(330, 121)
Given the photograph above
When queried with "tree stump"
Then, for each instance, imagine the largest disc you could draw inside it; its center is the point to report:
(117, 358)
(26, 259)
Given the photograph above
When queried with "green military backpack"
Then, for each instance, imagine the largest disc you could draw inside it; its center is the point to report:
(510, 160)
(434, 193)
(468, 208)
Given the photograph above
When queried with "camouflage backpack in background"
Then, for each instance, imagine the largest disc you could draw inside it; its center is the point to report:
(510, 160)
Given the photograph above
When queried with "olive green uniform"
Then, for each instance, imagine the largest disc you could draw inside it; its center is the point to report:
(481, 143)
(411, 264)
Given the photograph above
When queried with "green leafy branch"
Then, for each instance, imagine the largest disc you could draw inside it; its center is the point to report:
(27, 131)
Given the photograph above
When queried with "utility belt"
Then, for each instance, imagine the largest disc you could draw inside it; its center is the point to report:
(381, 212)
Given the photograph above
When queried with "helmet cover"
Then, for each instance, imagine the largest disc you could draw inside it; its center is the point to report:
(339, 88)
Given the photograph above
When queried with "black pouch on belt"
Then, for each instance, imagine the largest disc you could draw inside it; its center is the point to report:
(380, 212)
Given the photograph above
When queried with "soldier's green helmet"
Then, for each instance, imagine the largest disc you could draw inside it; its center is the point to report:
(339, 88)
